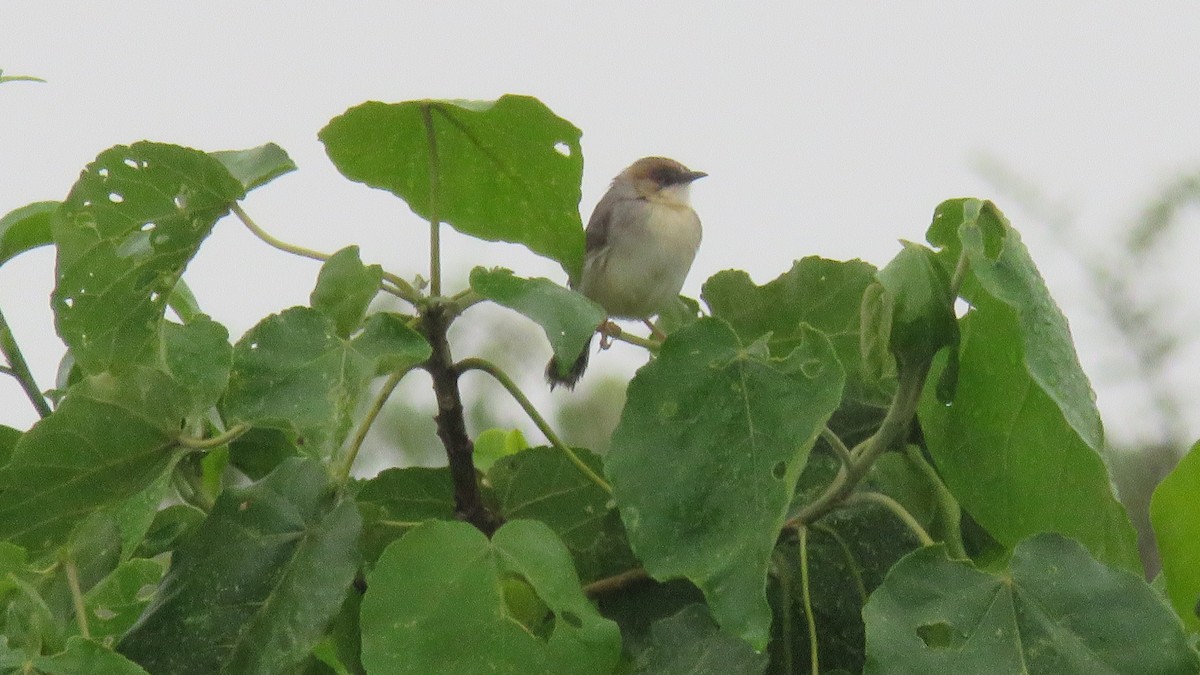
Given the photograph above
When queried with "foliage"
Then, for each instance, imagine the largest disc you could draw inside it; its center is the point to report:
(829, 472)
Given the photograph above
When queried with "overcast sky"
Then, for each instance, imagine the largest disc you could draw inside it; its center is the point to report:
(829, 128)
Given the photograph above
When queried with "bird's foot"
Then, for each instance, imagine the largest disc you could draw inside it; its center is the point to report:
(608, 330)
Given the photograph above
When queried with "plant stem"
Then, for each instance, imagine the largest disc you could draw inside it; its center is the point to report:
(893, 429)
(389, 385)
(617, 582)
(960, 273)
(77, 597)
(398, 287)
(217, 441)
(19, 370)
(435, 231)
(852, 563)
(541, 423)
(839, 448)
(948, 507)
(451, 427)
(648, 344)
(896, 508)
(814, 664)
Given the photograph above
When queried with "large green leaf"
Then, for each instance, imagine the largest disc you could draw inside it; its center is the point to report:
(115, 603)
(131, 223)
(253, 589)
(26, 228)
(345, 288)
(1177, 533)
(728, 430)
(444, 599)
(542, 484)
(1017, 439)
(255, 167)
(689, 643)
(1009, 455)
(568, 318)
(1053, 611)
(293, 372)
(824, 294)
(1001, 268)
(507, 170)
(110, 438)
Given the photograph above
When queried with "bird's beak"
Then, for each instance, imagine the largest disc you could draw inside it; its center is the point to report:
(693, 175)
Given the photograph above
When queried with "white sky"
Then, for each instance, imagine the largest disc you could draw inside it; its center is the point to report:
(828, 128)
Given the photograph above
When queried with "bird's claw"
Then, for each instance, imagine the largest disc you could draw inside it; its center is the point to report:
(608, 330)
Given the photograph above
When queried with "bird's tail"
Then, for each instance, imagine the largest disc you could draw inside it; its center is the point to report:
(556, 377)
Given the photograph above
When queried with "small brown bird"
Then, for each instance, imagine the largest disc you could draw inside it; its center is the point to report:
(641, 241)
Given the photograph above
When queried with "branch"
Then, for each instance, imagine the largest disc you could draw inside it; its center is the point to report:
(435, 230)
(543, 426)
(451, 428)
(898, 509)
(893, 429)
(216, 441)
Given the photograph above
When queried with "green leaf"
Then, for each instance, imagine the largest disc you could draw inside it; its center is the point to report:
(690, 642)
(25, 229)
(390, 343)
(80, 656)
(824, 294)
(542, 484)
(294, 373)
(198, 356)
(125, 233)
(1177, 533)
(253, 590)
(257, 166)
(398, 500)
(345, 288)
(1053, 610)
(135, 514)
(110, 438)
(1007, 452)
(922, 309)
(494, 444)
(1001, 268)
(116, 602)
(568, 318)
(729, 431)
(434, 604)
(507, 170)
(9, 437)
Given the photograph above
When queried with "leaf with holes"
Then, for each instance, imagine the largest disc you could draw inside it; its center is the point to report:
(254, 588)
(1053, 610)
(568, 318)
(444, 599)
(111, 437)
(729, 430)
(25, 229)
(125, 233)
(505, 170)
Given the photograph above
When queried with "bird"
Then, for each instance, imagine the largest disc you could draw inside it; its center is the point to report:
(640, 243)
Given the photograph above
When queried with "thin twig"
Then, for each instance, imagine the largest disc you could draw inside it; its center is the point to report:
(814, 662)
(896, 508)
(19, 370)
(838, 446)
(77, 597)
(617, 582)
(542, 425)
(435, 230)
(395, 285)
(389, 385)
